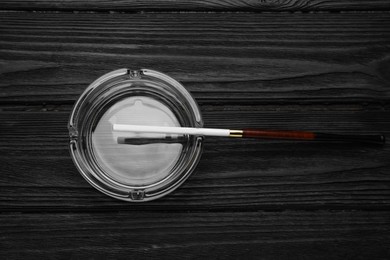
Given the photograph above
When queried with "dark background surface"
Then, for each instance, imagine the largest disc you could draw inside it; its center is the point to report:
(305, 65)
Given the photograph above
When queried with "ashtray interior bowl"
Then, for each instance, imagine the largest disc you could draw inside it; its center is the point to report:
(134, 166)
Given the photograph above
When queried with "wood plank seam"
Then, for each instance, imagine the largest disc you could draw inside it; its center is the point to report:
(198, 5)
(148, 11)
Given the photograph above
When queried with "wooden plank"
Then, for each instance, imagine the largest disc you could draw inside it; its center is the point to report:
(197, 5)
(231, 235)
(49, 58)
(38, 175)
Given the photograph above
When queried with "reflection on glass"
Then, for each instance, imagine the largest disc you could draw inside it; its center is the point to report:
(135, 164)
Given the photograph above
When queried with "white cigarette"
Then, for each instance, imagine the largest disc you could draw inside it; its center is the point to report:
(172, 130)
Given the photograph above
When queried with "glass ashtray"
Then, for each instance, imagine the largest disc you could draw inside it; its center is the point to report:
(134, 166)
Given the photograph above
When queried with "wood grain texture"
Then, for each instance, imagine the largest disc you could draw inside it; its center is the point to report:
(197, 5)
(234, 235)
(220, 58)
(322, 72)
(38, 174)
(247, 199)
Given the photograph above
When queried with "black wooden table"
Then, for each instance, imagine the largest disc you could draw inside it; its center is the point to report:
(307, 65)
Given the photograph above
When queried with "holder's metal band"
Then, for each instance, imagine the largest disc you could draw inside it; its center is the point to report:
(235, 133)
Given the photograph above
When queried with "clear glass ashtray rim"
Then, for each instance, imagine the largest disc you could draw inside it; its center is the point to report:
(126, 193)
